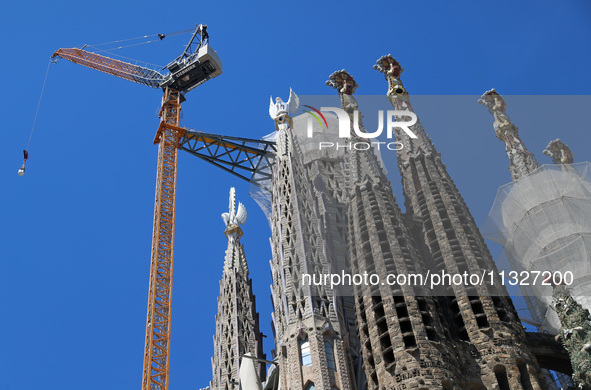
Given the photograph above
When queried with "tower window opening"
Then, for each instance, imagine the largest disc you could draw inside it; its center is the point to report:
(525, 381)
(502, 380)
(329, 351)
(305, 353)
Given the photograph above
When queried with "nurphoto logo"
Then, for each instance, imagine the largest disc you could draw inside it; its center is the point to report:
(395, 119)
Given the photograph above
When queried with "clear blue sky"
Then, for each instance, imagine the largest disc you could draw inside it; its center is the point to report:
(76, 229)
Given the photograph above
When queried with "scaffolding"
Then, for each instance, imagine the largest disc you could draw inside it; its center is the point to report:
(543, 221)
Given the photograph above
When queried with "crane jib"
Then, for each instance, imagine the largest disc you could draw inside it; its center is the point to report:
(137, 74)
(204, 66)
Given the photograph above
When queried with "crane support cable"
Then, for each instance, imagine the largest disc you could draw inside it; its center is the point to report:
(124, 70)
(99, 50)
(145, 36)
(38, 105)
(135, 61)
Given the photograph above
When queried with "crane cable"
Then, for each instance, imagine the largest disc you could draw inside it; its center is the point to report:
(143, 36)
(25, 151)
(110, 50)
(21, 171)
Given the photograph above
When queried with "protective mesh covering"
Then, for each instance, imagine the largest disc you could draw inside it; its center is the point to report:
(310, 146)
(543, 220)
(308, 150)
(260, 191)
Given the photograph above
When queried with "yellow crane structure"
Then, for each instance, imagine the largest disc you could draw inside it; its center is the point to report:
(246, 158)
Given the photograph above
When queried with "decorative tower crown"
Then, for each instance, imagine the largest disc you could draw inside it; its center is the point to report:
(391, 70)
(559, 152)
(234, 218)
(492, 100)
(280, 107)
(343, 82)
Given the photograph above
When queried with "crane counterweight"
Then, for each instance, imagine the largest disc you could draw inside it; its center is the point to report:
(188, 75)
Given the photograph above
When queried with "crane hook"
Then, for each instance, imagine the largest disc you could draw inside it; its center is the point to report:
(21, 171)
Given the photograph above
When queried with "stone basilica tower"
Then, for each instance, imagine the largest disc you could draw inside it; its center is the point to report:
(311, 324)
(483, 325)
(237, 322)
(333, 212)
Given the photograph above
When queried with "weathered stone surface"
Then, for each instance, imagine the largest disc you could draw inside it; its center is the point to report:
(575, 335)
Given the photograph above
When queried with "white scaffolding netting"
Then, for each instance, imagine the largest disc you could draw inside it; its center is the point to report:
(308, 150)
(261, 191)
(543, 220)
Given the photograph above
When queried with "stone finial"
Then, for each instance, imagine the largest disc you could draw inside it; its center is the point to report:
(392, 71)
(343, 82)
(496, 105)
(235, 217)
(281, 112)
(559, 152)
(493, 101)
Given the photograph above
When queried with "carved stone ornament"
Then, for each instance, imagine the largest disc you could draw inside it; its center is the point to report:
(559, 152)
(281, 112)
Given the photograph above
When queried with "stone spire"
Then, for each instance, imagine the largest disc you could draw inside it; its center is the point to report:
(522, 161)
(575, 335)
(237, 321)
(308, 238)
(478, 317)
(400, 330)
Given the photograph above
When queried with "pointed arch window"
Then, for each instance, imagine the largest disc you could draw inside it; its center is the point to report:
(329, 351)
(306, 355)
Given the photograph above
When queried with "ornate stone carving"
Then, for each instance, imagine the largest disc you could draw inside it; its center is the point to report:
(281, 112)
(344, 83)
(391, 70)
(234, 218)
(559, 152)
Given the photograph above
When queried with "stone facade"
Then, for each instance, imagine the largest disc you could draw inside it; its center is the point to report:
(575, 335)
(338, 212)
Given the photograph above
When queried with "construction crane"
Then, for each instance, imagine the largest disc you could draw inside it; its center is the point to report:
(248, 159)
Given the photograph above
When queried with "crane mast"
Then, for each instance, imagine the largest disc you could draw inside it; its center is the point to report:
(157, 346)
